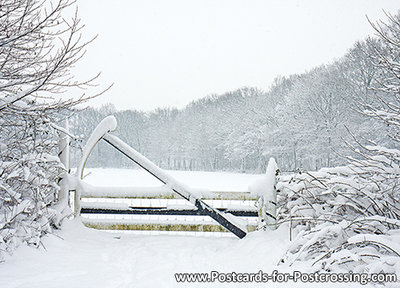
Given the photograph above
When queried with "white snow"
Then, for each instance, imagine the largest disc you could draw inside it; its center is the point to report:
(86, 258)
(264, 187)
(380, 239)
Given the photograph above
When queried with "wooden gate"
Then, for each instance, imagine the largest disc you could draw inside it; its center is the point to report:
(191, 210)
(160, 208)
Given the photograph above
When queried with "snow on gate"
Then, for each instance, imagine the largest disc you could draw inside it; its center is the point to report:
(172, 206)
(137, 209)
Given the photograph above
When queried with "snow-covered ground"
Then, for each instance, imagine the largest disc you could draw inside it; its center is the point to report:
(86, 258)
(81, 257)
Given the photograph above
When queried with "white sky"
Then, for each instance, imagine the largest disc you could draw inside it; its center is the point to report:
(161, 53)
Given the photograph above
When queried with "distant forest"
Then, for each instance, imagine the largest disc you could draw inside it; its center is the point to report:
(305, 121)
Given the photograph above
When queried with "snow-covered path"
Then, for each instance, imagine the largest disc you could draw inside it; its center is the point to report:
(87, 258)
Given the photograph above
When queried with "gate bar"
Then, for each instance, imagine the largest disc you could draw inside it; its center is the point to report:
(177, 187)
(163, 211)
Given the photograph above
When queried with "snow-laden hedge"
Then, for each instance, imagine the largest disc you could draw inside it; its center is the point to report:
(345, 218)
(29, 175)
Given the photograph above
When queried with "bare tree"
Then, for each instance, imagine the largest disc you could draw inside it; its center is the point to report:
(39, 46)
(386, 58)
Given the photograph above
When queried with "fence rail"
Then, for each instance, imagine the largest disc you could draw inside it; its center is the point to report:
(160, 192)
(126, 208)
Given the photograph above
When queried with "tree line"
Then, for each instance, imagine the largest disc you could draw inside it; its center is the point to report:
(305, 121)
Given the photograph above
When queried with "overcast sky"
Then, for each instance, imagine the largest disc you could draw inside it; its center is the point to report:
(167, 53)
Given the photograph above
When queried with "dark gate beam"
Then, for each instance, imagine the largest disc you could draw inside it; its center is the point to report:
(177, 187)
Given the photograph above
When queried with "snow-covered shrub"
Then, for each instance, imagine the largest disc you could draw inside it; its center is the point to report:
(38, 48)
(345, 218)
(29, 171)
(348, 218)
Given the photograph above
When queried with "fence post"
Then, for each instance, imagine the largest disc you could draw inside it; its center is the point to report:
(267, 193)
(64, 155)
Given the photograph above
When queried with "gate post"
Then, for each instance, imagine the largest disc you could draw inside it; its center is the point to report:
(265, 189)
(64, 155)
(269, 198)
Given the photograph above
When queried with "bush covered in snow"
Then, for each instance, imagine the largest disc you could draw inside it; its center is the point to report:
(348, 218)
(345, 218)
(29, 173)
(38, 47)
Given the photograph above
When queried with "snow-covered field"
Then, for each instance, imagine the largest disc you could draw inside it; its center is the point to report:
(81, 257)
